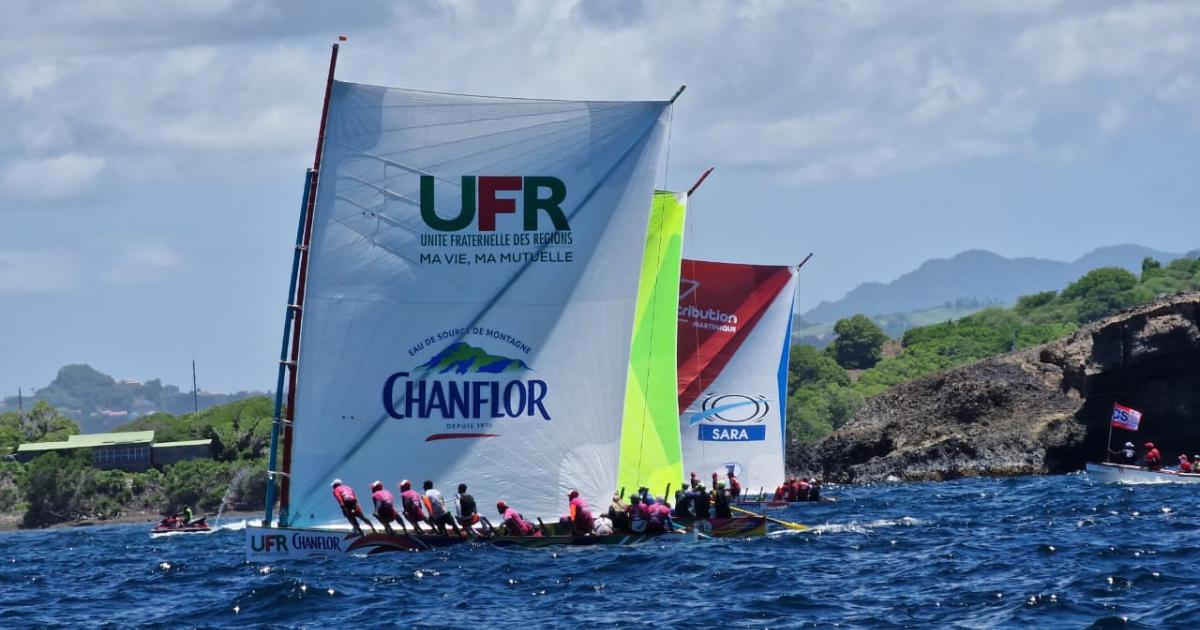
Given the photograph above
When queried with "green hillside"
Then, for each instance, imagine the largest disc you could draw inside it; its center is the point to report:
(823, 395)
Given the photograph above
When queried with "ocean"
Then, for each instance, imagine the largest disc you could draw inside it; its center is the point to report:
(1045, 552)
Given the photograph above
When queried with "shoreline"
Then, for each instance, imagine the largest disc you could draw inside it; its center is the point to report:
(11, 521)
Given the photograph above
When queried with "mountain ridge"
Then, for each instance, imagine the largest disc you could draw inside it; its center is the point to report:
(942, 281)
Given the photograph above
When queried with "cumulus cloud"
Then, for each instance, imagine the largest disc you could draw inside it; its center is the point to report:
(51, 178)
(804, 91)
(37, 271)
(142, 263)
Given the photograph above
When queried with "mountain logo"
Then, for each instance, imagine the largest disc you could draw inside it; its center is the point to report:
(495, 387)
(463, 358)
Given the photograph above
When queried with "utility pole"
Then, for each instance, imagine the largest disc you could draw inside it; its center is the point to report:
(195, 394)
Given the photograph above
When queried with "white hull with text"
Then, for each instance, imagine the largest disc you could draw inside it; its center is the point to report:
(1122, 473)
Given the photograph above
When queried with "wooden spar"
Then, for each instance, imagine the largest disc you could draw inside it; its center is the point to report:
(803, 261)
(678, 92)
(277, 416)
(703, 176)
(302, 275)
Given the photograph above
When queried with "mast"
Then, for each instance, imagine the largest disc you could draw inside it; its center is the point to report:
(298, 306)
(195, 390)
(277, 416)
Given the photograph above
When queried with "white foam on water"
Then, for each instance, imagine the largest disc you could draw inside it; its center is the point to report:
(855, 527)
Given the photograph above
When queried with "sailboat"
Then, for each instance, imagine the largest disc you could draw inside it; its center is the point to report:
(463, 308)
(735, 324)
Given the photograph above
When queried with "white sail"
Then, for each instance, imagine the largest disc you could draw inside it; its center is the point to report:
(471, 295)
(734, 336)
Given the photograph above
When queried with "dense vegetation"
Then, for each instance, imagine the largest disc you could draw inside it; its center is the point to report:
(42, 423)
(55, 488)
(823, 396)
(83, 393)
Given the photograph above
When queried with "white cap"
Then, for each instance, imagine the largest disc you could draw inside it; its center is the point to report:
(336, 483)
(1129, 445)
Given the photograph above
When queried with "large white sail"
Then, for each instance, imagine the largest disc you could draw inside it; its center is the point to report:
(734, 335)
(471, 296)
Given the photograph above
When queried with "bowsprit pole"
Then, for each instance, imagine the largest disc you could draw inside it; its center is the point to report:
(301, 278)
(700, 180)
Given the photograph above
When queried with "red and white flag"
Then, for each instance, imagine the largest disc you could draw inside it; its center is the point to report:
(1126, 417)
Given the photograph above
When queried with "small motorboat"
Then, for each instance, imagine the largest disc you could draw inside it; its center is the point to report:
(1124, 473)
(175, 525)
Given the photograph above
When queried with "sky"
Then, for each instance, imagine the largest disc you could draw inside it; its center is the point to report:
(154, 151)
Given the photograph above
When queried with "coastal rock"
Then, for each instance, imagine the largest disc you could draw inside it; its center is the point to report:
(1038, 410)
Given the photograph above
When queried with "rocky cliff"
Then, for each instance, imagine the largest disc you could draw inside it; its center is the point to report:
(1039, 410)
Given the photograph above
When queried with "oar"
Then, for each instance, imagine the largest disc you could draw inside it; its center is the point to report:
(793, 526)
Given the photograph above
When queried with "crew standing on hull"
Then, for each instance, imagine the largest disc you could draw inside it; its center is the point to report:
(349, 504)
(436, 504)
(413, 505)
(385, 506)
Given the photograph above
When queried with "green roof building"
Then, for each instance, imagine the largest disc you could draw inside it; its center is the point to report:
(130, 450)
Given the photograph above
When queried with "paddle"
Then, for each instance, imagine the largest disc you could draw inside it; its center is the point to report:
(793, 526)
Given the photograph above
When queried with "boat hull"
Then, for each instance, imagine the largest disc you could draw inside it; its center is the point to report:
(1121, 473)
(276, 543)
(736, 527)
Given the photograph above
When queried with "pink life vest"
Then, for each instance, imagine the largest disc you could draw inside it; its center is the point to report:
(514, 520)
(412, 504)
(385, 505)
(344, 494)
(581, 516)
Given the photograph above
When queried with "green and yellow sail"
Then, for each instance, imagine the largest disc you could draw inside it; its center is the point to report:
(651, 455)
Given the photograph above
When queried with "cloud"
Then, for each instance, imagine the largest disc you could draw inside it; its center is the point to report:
(37, 271)
(803, 91)
(142, 263)
(51, 178)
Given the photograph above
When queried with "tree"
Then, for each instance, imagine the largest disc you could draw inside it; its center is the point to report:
(1149, 266)
(43, 423)
(1101, 292)
(859, 343)
(808, 366)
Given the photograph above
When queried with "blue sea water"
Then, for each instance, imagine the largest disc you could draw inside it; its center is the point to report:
(1043, 552)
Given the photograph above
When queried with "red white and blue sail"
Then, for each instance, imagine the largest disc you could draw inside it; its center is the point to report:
(734, 336)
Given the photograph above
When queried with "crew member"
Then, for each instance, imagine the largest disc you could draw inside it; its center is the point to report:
(637, 514)
(349, 504)
(413, 505)
(701, 502)
(735, 486)
(814, 489)
(658, 518)
(187, 515)
(1196, 464)
(578, 514)
(781, 492)
(436, 505)
(618, 513)
(1126, 455)
(721, 507)
(1185, 466)
(1153, 457)
(513, 523)
(683, 504)
(385, 506)
(467, 514)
